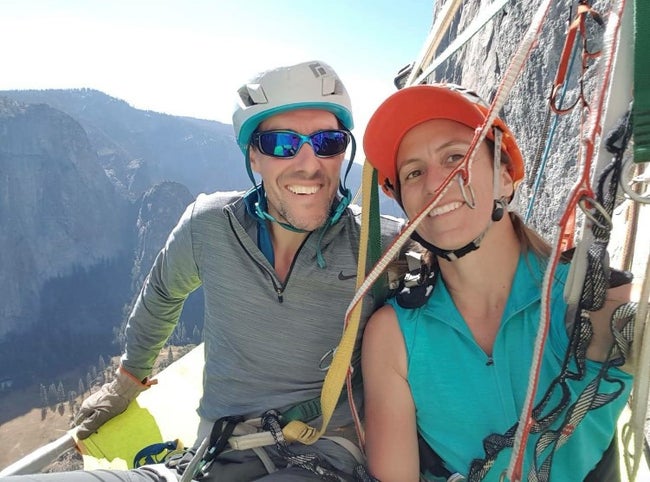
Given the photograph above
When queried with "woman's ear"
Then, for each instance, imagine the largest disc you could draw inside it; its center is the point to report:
(507, 185)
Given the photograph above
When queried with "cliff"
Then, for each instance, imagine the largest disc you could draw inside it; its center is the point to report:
(58, 209)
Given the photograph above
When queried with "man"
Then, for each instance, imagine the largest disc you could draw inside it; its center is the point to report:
(277, 266)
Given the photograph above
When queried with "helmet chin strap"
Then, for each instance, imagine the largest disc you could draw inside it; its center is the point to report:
(263, 215)
(498, 210)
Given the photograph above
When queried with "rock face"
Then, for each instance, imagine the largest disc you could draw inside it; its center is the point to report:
(58, 210)
(160, 208)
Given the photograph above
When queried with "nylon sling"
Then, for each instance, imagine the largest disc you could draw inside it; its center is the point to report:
(369, 250)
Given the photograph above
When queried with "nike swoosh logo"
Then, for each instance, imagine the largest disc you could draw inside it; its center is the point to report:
(343, 277)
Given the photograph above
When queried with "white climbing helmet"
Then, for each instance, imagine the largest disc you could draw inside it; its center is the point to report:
(308, 85)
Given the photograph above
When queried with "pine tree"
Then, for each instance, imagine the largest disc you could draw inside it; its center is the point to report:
(52, 396)
(81, 387)
(72, 396)
(60, 392)
(170, 356)
(44, 399)
(51, 393)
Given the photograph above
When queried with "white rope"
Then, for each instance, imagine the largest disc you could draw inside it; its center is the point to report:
(633, 430)
(484, 16)
(523, 428)
(515, 67)
(436, 35)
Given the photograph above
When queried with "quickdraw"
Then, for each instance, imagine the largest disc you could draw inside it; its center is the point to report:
(577, 26)
(556, 101)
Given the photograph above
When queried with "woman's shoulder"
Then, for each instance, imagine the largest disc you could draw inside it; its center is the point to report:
(383, 343)
(382, 328)
(382, 321)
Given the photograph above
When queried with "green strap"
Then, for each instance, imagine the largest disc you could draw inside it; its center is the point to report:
(309, 410)
(304, 411)
(641, 106)
(374, 241)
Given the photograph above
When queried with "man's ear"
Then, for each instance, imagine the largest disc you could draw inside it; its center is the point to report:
(254, 159)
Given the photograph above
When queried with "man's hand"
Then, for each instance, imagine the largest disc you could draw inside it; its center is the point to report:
(110, 400)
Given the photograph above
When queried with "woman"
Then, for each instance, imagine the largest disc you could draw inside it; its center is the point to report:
(455, 370)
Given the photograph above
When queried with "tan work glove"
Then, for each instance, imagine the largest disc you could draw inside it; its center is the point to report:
(110, 400)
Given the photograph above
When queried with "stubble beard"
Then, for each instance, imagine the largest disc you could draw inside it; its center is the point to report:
(305, 222)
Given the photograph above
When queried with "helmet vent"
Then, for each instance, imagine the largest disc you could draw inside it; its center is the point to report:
(329, 85)
(252, 94)
(339, 89)
(317, 69)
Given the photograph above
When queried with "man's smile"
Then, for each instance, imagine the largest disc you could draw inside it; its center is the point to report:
(298, 189)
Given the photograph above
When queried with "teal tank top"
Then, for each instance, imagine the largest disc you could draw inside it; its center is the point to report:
(461, 395)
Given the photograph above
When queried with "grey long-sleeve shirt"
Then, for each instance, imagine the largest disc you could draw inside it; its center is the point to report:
(264, 339)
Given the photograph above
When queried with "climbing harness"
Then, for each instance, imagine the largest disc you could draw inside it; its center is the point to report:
(310, 462)
(234, 433)
(280, 429)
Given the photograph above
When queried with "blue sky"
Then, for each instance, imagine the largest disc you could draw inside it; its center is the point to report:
(187, 57)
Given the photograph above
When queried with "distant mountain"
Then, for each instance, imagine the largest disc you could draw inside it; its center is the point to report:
(139, 148)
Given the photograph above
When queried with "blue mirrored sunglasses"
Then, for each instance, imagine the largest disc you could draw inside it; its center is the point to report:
(286, 144)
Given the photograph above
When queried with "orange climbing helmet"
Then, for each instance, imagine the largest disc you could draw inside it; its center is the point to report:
(412, 106)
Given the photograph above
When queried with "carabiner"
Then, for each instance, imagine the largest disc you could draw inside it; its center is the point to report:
(329, 354)
(461, 183)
